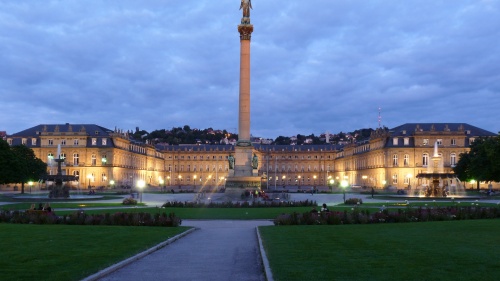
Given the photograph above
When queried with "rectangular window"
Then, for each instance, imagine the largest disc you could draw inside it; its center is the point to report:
(453, 142)
(75, 142)
(94, 141)
(395, 179)
(51, 142)
(395, 141)
(104, 141)
(440, 141)
(407, 141)
(23, 141)
(63, 142)
(75, 159)
(425, 141)
(33, 141)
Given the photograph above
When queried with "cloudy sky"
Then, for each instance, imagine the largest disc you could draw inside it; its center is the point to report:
(319, 65)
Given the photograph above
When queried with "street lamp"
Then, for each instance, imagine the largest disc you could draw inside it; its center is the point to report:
(162, 182)
(111, 183)
(141, 184)
(364, 177)
(89, 176)
(344, 185)
(194, 180)
(30, 183)
(331, 184)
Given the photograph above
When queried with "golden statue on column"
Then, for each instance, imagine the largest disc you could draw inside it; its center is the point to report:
(246, 5)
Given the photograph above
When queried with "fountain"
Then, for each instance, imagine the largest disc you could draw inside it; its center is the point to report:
(439, 183)
(60, 186)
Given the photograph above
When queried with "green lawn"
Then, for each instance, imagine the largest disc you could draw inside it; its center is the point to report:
(208, 213)
(451, 250)
(71, 252)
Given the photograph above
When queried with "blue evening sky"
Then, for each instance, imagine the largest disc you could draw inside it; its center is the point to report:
(319, 65)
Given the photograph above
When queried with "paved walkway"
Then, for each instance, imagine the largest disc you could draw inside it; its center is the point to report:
(219, 250)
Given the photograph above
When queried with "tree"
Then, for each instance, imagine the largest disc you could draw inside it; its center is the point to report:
(7, 170)
(482, 162)
(27, 165)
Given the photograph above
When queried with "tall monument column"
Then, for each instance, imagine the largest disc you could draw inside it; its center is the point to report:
(243, 175)
(245, 31)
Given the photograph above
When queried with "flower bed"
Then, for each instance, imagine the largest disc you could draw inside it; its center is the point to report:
(245, 204)
(81, 218)
(401, 215)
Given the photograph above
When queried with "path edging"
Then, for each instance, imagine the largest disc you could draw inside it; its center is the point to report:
(128, 261)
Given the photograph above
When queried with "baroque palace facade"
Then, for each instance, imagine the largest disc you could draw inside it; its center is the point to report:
(103, 157)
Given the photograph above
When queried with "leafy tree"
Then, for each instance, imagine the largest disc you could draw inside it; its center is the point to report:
(482, 162)
(7, 170)
(27, 165)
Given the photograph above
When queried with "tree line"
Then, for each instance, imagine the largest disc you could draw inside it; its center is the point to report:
(186, 135)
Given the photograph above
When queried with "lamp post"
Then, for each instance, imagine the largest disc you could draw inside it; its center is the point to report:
(194, 180)
(89, 176)
(162, 183)
(30, 183)
(344, 185)
(141, 184)
(112, 183)
(331, 184)
(364, 177)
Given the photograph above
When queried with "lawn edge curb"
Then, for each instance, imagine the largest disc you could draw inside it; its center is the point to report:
(265, 262)
(128, 261)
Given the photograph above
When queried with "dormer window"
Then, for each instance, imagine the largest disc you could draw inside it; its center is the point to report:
(407, 141)
(395, 141)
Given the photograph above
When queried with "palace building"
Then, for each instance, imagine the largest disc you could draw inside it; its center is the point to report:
(103, 157)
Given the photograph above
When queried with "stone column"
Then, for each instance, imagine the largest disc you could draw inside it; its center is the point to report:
(245, 31)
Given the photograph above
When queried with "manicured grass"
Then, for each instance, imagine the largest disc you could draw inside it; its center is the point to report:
(71, 252)
(208, 213)
(451, 250)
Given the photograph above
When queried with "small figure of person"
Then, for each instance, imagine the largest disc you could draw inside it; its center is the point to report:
(324, 208)
(373, 192)
(312, 190)
(47, 208)
(33, 207)
(40, 207)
